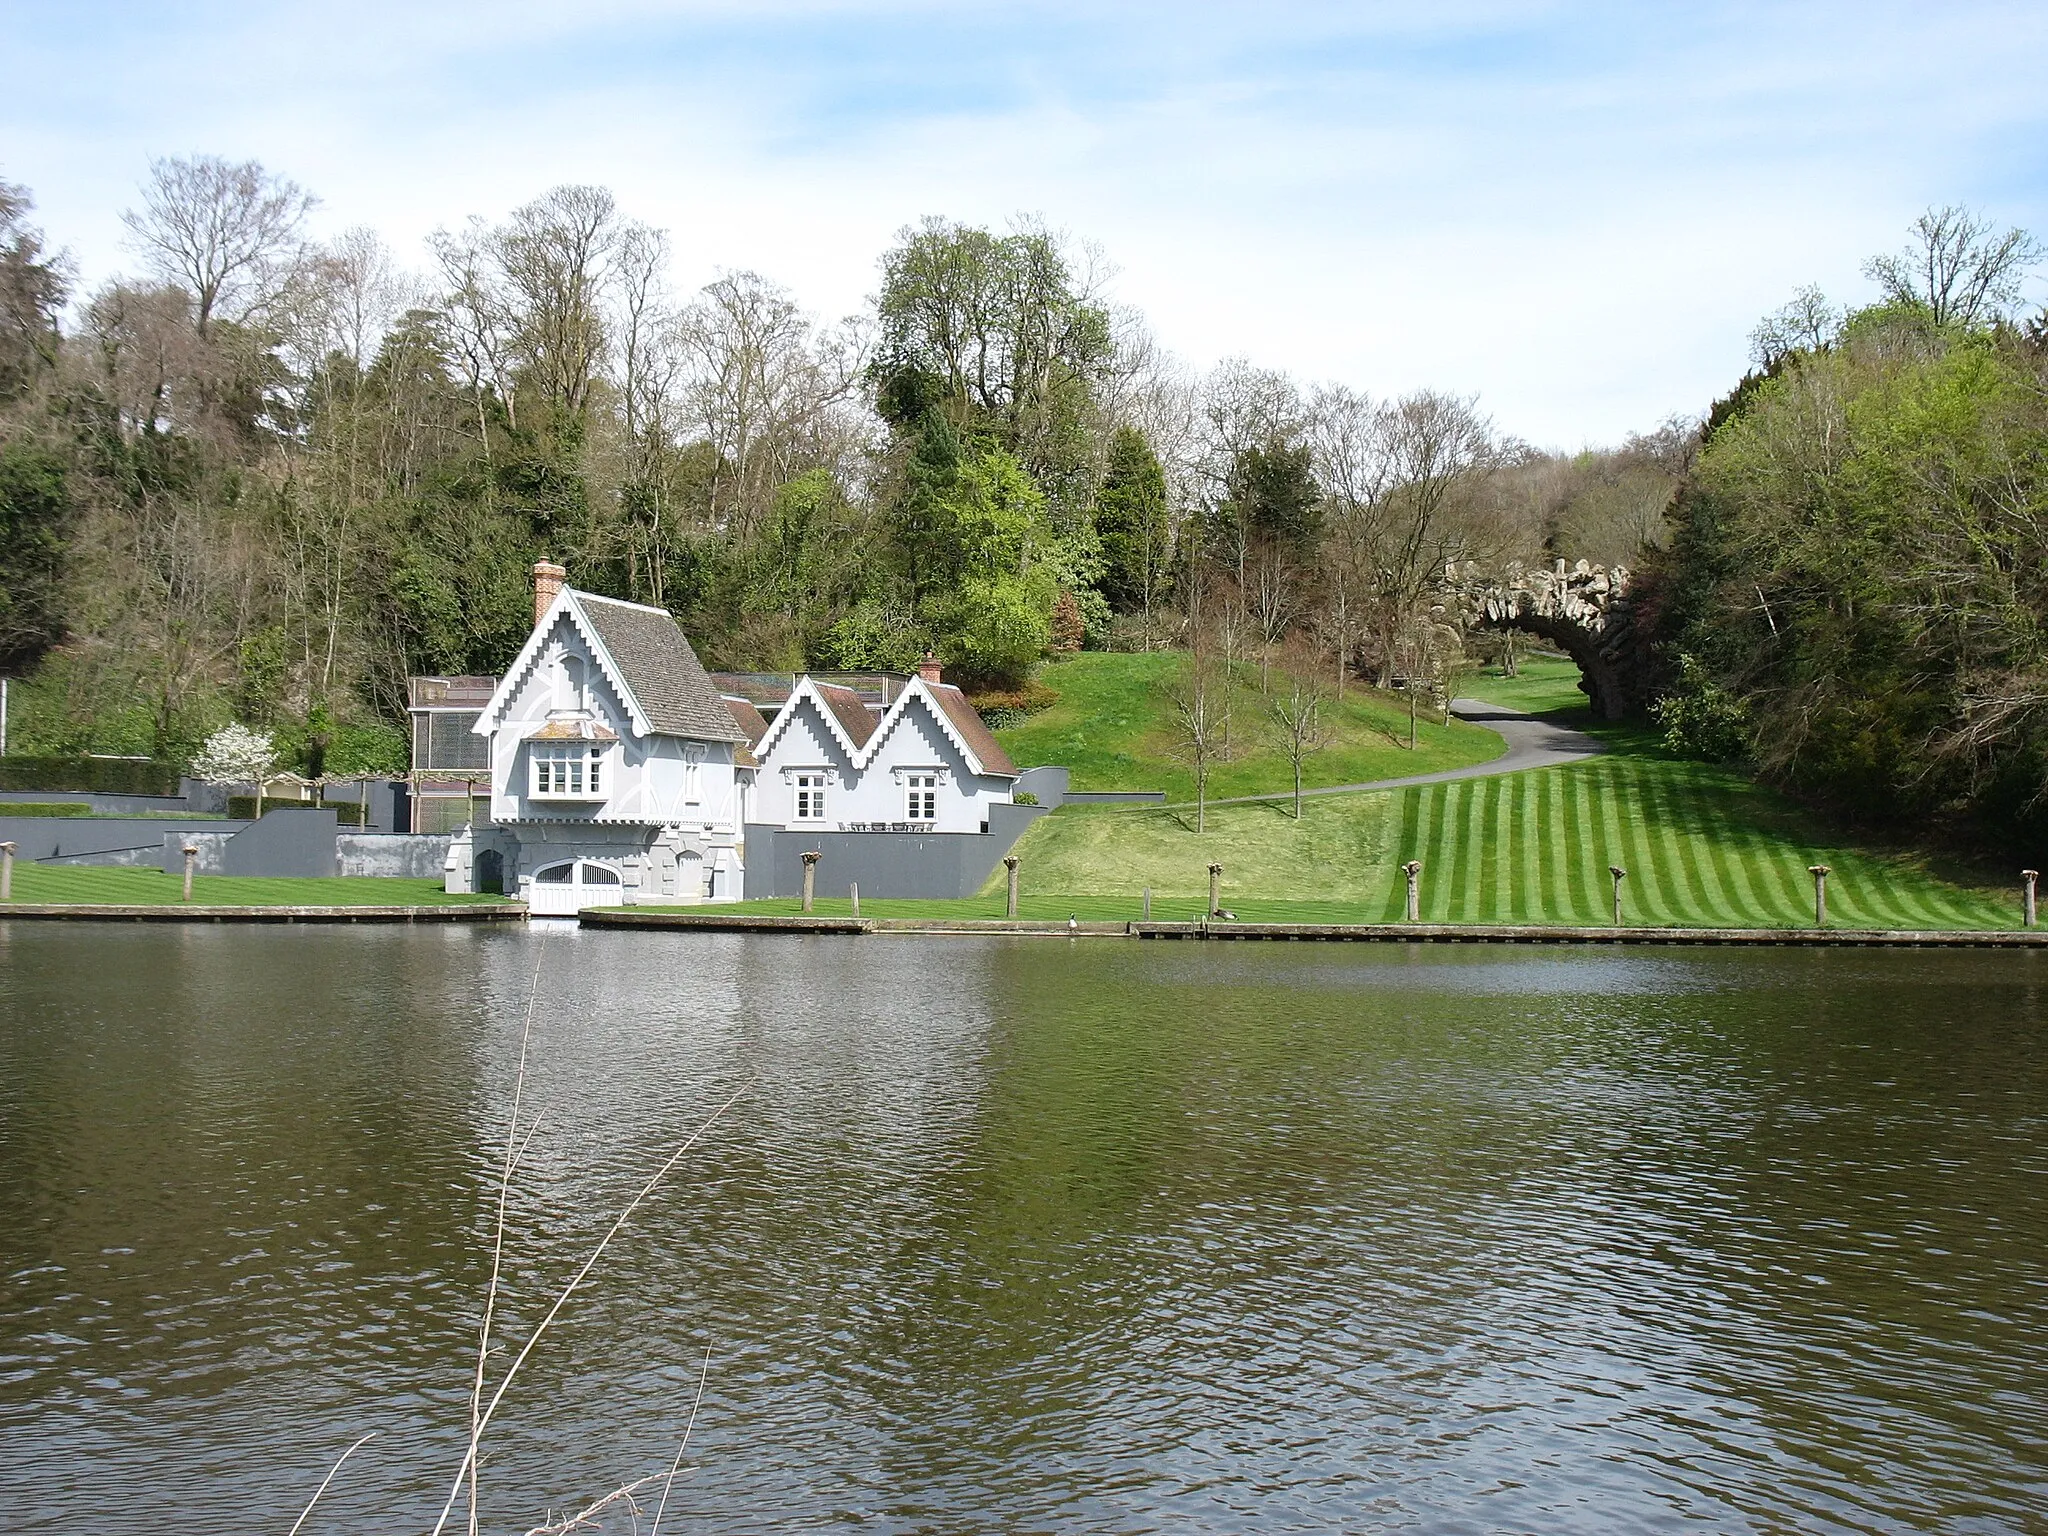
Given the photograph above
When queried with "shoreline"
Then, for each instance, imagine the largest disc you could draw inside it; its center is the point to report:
(1369, 933)
(180, 912)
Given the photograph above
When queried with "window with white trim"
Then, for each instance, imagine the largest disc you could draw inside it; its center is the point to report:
(810, 797)
(921, 797)
(568, 771)
(693, 774)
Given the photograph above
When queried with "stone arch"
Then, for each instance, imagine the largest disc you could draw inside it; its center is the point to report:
(1583, 610)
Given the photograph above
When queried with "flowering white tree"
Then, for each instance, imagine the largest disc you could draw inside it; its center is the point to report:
(235, 754)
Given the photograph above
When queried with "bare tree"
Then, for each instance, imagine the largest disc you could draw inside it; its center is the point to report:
(226, 233)
(1300, 724)
(1807, 323)
(1200, 709)
(1961, 267)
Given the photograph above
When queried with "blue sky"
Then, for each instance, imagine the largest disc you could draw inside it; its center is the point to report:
(1575, 212)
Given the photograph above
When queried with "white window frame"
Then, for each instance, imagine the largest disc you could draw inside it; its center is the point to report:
(809, 801)
(693, 774)
(921, 787)
(568, 771)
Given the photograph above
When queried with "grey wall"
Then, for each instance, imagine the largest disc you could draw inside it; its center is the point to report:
(388, 855)
(1049, 784)
(285, 843)
(933, 866)
(61, 840)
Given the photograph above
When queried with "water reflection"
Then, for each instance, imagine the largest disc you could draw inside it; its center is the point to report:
(1030, 1234)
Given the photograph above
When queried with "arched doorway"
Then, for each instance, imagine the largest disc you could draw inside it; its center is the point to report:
(563, 889)
(490, 872)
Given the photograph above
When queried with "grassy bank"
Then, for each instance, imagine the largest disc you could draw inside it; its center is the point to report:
(1113, 727)
(149, 887)
(1703, 847)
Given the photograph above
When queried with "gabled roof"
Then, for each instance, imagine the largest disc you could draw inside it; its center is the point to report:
(854, 717)
(974, 732)
(861, 734)
(643, 652)
(747, 718)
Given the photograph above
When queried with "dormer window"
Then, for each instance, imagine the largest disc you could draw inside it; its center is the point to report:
(570, 770)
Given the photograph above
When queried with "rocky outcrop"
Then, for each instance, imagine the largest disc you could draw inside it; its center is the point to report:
(1583, 609)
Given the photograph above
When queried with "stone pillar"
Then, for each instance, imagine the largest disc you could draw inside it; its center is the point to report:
(810, 877)
(7, 876)
(1010, 864)
(1820, 894)
(2028, 875)
(1215, 889)
(853, 891)
(1620, 875)
(191, 853)
(1413, 870)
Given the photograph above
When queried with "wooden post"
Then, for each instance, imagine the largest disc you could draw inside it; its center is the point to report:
(2028, 875)
(810, 877)
(7, 875)
(1215, 889)
(1411, 715)
(853, 890)
(1413, 870)
(1148, 903)
(1010, 864)
(191, 857)
(1620, 875)
(1820, 894)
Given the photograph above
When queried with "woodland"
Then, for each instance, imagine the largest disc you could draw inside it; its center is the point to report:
(266, 478)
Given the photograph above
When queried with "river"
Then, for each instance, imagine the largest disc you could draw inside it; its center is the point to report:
(1024, 1234)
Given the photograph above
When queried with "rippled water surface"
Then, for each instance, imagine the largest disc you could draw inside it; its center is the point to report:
(1027, 1235)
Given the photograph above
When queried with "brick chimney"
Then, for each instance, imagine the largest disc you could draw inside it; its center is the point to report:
(547, 584)
(929, 668)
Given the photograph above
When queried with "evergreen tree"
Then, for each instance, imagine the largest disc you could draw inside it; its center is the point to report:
(1131, 520)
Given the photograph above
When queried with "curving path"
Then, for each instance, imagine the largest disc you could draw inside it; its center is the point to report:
(1533, 742)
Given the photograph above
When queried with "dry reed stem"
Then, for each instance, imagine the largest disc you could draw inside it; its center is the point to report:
(702, 1376)
(467, 1469)
(628, 1495)
(514, 1150)
(337, 1467)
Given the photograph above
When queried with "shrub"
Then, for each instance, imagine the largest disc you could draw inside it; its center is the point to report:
(1701, 719)
(1023, 797)
(44, 808)
(90, 775)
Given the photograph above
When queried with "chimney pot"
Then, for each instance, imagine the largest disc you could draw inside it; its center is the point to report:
(929, 668)
(547, 584)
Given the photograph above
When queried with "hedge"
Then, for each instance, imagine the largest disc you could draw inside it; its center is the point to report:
(44, 808)
(90, 775)
(243, 808)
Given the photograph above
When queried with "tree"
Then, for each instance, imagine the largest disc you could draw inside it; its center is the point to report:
(235, 754)
(1958, 266)
(36, 514)
(1131, 520)
(1199, 721)
(33, 288)
(226, 233)
(1300, 725)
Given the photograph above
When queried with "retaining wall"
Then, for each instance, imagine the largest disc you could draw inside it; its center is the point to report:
(916, 866)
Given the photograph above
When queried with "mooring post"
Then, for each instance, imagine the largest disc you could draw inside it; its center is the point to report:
(191, 857)
(810, 877)
(1215, 884)
(2030, 876)
(1148, 903)
(1620, 875)
(1820, 894)
(7, 876)
(1010, 864)
(853, 892)
(1413, 870)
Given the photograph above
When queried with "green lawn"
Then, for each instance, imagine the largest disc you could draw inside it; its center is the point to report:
(1703, 847)
(1543, 685)
(149, 887)
(1113, 727)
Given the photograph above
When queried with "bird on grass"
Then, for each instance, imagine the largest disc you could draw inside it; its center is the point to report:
(1073, 923)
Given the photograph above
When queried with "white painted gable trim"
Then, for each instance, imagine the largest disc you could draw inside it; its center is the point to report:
(564, 606)
(807, 692)
(916, 689)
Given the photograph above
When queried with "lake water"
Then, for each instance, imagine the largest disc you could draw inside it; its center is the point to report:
(1026, 1235)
